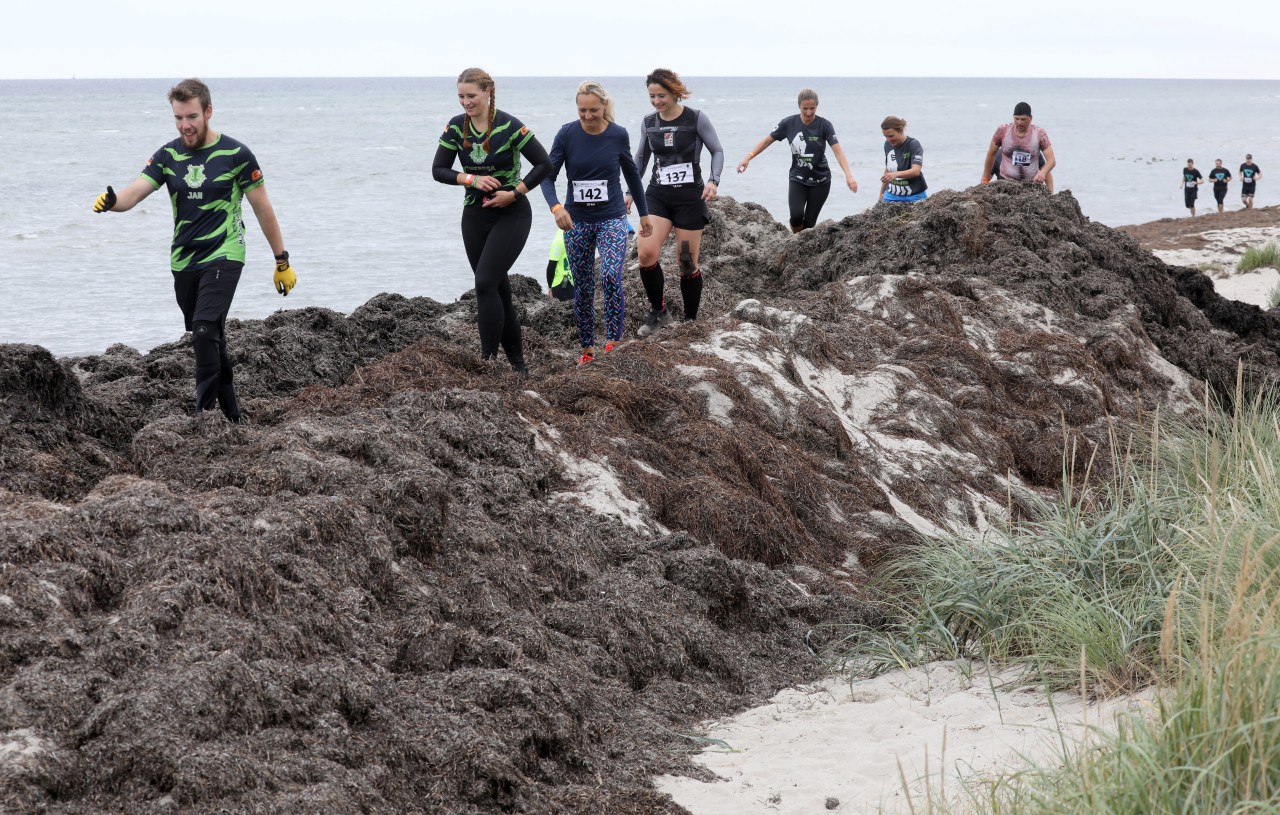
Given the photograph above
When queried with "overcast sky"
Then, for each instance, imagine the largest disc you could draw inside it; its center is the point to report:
(268, 38)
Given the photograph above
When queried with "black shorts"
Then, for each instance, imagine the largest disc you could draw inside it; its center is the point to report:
(1219, 193)
(683, 206)
(1189, 196)
(1247, 188)
(205, 294)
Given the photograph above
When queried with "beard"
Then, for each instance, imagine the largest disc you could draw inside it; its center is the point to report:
(200, 137)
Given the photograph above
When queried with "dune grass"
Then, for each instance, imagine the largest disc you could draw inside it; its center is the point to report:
(1256, 257)
(1168, 572)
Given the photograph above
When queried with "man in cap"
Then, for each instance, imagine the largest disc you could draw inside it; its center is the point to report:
(1016, 148)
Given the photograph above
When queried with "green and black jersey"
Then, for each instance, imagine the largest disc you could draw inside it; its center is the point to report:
(205, 187)
(501, 160)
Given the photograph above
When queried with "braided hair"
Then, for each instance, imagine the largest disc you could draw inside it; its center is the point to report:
(481, 79)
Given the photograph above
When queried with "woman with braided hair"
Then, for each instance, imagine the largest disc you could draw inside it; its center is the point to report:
(495, 213)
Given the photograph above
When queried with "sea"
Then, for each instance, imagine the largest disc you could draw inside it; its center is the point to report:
(348, 169)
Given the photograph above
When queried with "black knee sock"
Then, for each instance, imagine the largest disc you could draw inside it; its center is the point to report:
(651, 277)
(691, 291)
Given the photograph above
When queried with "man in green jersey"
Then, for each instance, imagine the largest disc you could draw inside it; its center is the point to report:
(206, 174)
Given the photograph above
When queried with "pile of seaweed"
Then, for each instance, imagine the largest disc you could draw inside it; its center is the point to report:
(417, 582)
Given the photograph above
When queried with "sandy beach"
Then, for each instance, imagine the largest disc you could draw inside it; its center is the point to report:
(885, 744)
(1214, 244)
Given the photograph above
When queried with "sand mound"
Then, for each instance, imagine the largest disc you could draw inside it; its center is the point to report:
(416, 582)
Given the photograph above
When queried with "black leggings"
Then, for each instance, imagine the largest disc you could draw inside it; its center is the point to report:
(493, 239)
(806, 203)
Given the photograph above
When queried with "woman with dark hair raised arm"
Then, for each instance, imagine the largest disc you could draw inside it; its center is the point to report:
(594, 151)
(674, 134)
(810, 175)
(495, 213)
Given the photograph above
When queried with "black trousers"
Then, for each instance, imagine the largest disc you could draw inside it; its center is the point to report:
(204, 295)
(806, 203)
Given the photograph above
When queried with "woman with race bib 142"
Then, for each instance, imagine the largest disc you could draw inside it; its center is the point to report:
(594, 151)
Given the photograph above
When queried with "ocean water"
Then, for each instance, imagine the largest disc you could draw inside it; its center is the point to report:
(347, 163)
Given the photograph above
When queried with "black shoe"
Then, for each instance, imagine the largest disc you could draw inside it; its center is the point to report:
(655, 320)
(519, 366)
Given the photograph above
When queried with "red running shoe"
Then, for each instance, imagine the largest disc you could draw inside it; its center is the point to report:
(608, 346)
(585, 358)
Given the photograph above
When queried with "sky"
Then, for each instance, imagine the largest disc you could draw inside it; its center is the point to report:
(58, 39)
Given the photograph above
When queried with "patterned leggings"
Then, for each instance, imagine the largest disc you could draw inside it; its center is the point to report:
(581, 243)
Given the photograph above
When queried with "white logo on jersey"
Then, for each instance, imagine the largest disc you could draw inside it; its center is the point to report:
(799, 148)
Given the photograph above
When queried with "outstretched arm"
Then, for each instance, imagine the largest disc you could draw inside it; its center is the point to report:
(760, 147)
(127, 198)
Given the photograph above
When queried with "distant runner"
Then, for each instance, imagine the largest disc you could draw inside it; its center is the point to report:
(1014, 150)
(1191, 181)
(1249, 175)
(810, 175)
(674, 135)
(903, 178)
(206, 174)
(1221, 178)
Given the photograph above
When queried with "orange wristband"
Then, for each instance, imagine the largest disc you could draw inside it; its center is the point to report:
(556, 207)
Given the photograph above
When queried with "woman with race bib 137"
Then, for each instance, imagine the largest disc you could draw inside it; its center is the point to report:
(674, 134)
(594, 151)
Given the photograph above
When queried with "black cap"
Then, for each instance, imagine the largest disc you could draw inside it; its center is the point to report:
(1022, 109)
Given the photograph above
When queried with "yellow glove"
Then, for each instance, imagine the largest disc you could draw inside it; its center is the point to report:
(105, 201)
(285, 277)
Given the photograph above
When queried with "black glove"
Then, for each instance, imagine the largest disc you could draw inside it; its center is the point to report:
(105, 201)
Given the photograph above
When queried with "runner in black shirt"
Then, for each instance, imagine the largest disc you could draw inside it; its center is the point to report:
(903, 178)
(677, 195)
(810, 175)
(1221, 177)
(206, 175)
(1191, 181)
(1249, 175)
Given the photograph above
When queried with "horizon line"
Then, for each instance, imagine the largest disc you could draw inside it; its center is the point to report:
(691, 75)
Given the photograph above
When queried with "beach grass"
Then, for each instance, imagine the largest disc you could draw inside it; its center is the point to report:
(1273, 299)
(1167, 572)
(1257, 257)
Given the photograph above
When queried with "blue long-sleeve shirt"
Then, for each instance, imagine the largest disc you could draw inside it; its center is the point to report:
(592, 164)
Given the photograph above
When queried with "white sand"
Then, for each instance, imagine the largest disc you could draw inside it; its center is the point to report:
(846, 742)
(1218, 260)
